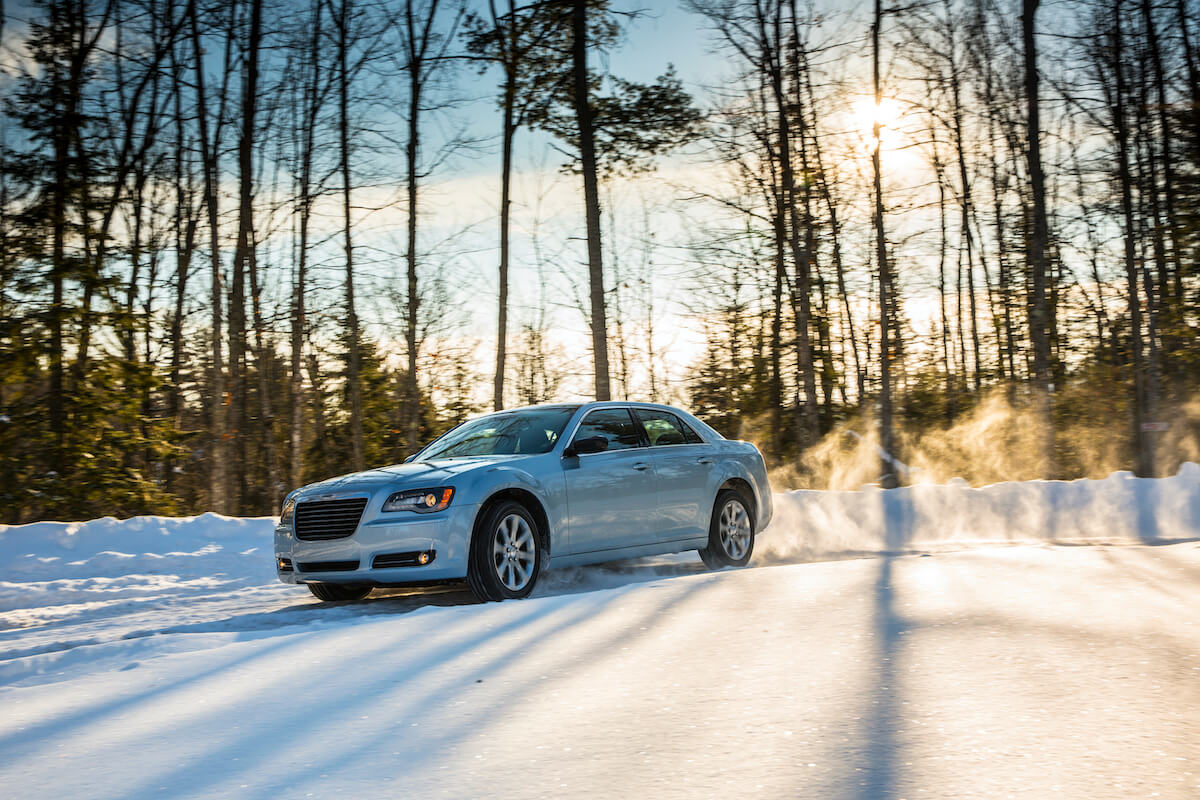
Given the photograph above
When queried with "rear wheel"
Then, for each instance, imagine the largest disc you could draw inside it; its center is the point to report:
(335, 592)
(731, 532)
(506, 554)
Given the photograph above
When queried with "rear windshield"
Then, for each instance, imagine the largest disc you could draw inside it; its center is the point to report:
(508, 433)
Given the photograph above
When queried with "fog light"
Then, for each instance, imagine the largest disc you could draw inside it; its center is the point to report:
(284, 564)
(409, 558)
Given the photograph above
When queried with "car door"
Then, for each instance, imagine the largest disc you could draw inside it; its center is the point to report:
(683, 466)
(611, 495)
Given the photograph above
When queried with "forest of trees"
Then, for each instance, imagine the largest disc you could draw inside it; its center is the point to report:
(963, 232)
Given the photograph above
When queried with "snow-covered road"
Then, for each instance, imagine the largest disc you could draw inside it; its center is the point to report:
(1032, 669)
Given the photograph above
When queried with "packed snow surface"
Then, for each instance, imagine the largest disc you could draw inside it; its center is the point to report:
(884, 648)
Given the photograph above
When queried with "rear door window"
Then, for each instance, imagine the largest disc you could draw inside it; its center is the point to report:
(664, 428)
(615, 425)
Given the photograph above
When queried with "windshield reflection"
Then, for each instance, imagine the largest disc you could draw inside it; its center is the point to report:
(528, 432)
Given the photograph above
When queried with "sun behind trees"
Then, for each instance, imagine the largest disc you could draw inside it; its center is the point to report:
(228, 264)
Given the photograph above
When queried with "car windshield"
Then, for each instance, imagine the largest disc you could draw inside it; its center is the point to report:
(508, 433)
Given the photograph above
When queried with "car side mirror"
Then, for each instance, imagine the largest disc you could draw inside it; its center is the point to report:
(410, 458)
(590, 444)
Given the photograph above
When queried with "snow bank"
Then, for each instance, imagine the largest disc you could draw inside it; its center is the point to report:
(1121, 508)
(47, 563)
(52, 563)
(54, 573)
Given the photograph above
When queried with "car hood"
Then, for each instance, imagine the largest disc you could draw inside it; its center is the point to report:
(416, 474)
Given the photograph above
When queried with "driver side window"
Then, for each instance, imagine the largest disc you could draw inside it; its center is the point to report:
(614, 425)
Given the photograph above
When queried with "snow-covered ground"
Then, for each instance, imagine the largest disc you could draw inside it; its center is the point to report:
(1026, 639)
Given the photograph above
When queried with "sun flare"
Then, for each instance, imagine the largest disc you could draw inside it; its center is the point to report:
(867, 113)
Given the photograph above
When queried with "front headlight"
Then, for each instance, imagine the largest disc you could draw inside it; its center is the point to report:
(289, 509)
(422, 501)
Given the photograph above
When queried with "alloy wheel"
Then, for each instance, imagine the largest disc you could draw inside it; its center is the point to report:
(734, 528)
(514, 552)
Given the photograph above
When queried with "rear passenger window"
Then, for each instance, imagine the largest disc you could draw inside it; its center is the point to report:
(664, 428)
(614, 424)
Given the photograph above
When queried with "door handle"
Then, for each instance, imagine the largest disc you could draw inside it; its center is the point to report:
(641, 465)
(704, 460)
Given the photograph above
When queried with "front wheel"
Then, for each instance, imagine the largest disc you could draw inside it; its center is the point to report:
(506, 554)
(335, 592)
(731, 532)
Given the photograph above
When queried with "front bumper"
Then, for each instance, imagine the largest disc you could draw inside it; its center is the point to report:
(446, 534)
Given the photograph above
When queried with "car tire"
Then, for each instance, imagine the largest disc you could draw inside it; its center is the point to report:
(730, 533)
(506, 554)
(337, 592)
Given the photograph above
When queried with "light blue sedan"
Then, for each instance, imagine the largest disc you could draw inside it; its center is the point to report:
(502, 497)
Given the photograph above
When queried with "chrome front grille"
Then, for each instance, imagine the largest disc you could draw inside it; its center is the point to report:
(328, 519)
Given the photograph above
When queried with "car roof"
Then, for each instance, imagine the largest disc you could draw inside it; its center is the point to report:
(590, 404)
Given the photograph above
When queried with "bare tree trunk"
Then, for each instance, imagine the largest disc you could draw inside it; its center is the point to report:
(772, 59)
(412, 152)
(243, 254)
(614, 311)
(982, 57)
(591, 197)
(510, 96)
(776, 387)
(128, 327)
(354, 389)
(824, 344)
(1143, 444)
(959, 317)
(1004, 276)
(317, 397)
(149, 458)
(217, 451)
(840, 273)
(1169, 301)
(835, 231)
(886, 435)
(1150, 228)
(510, 63)
(264, 364)
(1094, 250)
(966, 203)
(943, 242)
(312, 96)
(1038, 240)
(295, 377)
(186, 223)
(420, 62)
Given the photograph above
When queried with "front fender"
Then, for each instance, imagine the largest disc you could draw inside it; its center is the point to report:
(546, 484)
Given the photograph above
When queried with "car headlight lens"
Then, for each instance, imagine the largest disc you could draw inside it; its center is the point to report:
(422, 501)
(289, 510)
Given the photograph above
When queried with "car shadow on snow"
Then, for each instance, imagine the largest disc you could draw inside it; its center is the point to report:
(614, 574)
(403, 600)
(553, 582)
(392, 691)
(309, 611)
